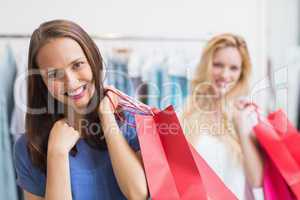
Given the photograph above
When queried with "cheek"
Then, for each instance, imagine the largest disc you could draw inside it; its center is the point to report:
(86, 74)
(55, 89)
(89, 75)
(236, 75)
(216, 72)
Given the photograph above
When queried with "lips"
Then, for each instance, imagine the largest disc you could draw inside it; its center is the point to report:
(222, 84)
(77, 93)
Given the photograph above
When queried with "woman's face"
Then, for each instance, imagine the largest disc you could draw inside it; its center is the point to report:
(66, 72)
(226, 70)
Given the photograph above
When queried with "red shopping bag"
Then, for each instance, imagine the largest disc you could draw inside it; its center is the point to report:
(173, 168)
(274, 186)
(292, 142)
(281, 140)
(289, 134)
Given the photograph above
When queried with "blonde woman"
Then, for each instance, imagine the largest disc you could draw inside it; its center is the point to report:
(217, 122)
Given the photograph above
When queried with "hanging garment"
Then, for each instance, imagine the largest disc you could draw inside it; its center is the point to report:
(17, 125)
(8, 189)
(156, 76)
(138, 88)
(179, 90)
(117, 70)
(178, 87)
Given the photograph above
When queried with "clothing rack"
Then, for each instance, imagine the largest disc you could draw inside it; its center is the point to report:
(119, 37)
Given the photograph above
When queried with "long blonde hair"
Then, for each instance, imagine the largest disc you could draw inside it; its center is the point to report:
(201, 82)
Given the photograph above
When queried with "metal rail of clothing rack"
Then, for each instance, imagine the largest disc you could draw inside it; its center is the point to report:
(118, 37)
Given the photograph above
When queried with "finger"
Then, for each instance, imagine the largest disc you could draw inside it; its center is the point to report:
(259, 110)
(243, 103)
(76, 132)
(243, 99)
(113, 98)
(109, 88)
(62, 121)
(66, 123)
(249, 110)
(239, 104)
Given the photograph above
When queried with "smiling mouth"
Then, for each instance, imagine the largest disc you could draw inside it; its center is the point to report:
(78, 93)
(222, 84)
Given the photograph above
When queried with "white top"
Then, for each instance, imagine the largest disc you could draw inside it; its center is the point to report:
(219, 157)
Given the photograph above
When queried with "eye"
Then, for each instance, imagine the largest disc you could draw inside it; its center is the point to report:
(78, 64)
(55, 74)
(52, 74)
(234, 68)
(217, 65)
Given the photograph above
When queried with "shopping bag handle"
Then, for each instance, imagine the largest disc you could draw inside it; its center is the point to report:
(256, 110)
(128, 102)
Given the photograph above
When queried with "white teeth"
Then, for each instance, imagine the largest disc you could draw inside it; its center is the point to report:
(222, 83)
(76, 92)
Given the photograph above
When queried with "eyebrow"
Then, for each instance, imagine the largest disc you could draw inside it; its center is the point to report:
(76, 60)
(53, 69)
(48, 71)
(217, 62)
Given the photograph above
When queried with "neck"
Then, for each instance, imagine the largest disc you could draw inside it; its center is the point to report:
(73, 117)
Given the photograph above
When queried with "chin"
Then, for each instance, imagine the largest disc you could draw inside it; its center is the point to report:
(80, 104)
(221, 93)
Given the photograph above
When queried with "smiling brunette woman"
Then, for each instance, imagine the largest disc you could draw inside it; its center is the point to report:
(58, 158)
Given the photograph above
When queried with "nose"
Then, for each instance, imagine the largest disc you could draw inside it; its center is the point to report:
(225, 74)
(70, 78)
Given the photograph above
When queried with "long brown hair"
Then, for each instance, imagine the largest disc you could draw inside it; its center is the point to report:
(38, 125)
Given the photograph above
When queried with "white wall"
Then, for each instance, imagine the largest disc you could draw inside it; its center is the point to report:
(169, 17)
(283, 34)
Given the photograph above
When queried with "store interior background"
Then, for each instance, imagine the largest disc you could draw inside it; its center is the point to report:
(270, 27)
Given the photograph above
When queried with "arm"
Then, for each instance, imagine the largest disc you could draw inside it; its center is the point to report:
(58, 184)
(58, 180)
(253, 161)
(30, 196)
(127, 164)
(62, 138)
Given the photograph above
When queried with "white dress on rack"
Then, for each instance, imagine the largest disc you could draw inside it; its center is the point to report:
(220, 158)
